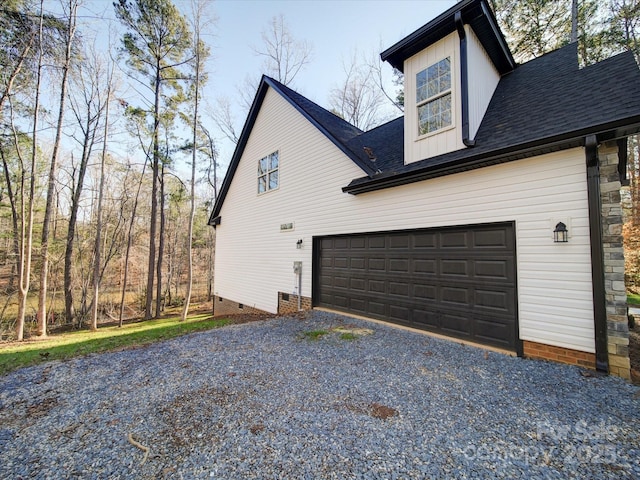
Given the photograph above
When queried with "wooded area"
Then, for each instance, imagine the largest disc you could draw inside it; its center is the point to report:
(92, 230)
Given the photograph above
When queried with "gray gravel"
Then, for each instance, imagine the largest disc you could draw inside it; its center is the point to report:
(260, 400)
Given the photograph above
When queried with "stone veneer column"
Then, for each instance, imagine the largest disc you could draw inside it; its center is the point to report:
(615, 290)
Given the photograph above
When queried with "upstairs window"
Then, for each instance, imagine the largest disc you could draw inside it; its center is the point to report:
(268, 173)
(433, 97)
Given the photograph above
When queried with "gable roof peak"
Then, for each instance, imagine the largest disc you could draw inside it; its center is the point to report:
(477, 14)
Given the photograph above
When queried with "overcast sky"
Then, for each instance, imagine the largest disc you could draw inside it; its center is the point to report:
(333, 28)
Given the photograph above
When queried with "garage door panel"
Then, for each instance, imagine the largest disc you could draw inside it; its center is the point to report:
(399, 289)
(495, 269)
(454, 267)
(459, 325)
(358, 242)
(377, 241)
(454, 240)
(425, 292)
(377, 264)
(496, 300)
(399, 241)
(400, 265)
(377, 286)
(340, 262)
(399, 313)
(377, 308)
(357, 284)
(492, 331)
(424, 240)
(490, 238)
(357, 263)
(456, 281)
(358, 305)
(456, 295)
(426, 318)
(425, 266)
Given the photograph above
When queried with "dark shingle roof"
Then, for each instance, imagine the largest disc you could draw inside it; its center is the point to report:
(476, 13)
(544, 105)
(385, 142)
(339, 131)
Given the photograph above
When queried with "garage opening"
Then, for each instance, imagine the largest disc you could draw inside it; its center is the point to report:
(455, 281)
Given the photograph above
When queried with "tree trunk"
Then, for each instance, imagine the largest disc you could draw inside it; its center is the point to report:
(159, 306)
(14, 220)
(44, 271)
(73, 218)
(129, 242)
(26, 231)
(155, 167)
(187, 297)
(97, 247)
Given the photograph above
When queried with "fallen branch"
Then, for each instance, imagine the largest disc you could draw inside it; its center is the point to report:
(141, 447)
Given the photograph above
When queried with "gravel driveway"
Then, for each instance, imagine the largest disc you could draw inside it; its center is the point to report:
(262, 400)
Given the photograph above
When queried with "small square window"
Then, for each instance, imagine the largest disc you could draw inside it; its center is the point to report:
(268, 178)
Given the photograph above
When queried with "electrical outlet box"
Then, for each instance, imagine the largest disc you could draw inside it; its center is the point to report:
(297, 268)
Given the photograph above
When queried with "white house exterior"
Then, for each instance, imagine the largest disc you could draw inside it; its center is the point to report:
(430, 223)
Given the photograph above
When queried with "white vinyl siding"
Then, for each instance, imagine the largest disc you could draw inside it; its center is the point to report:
(419, 146)
(254, 259)
(483, 80)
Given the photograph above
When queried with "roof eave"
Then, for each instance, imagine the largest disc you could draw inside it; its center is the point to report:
(472, 11)
(605, 132)
(265, 84)
(352, 155)
(237, 153)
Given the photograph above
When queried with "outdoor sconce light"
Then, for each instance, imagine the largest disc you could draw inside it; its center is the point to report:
(299, 244)
(561, 234)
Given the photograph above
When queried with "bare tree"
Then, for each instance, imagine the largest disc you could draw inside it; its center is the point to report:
(376, 67)
(130, 241)
(71, 10)
(200, 54)
(223, 117)
(284, 56)
(26, 222)
(97, 248)
(157, 42)
(357, 99)
(211, 169)
(88, 102)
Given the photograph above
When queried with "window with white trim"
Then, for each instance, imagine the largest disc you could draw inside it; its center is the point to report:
(268, 173)
(433, 97)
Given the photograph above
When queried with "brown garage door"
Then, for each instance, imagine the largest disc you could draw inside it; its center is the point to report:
(454, 281)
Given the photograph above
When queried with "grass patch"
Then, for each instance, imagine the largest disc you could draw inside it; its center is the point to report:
(633, 299)
(314, 334)
(348, 336)
(83, 342)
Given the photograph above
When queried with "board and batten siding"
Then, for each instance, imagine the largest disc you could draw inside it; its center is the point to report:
(483, 80)
(254, 259)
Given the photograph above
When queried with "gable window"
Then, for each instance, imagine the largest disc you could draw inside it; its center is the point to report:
(268, 173)
(433, 97)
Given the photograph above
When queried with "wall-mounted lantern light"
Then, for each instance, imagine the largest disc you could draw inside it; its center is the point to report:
(561, 234)
(299, 244)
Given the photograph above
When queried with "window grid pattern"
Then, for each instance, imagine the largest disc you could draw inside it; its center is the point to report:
(433, 97)
(268, 169)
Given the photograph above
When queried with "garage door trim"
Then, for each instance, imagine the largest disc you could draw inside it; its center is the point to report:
(506, 321)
